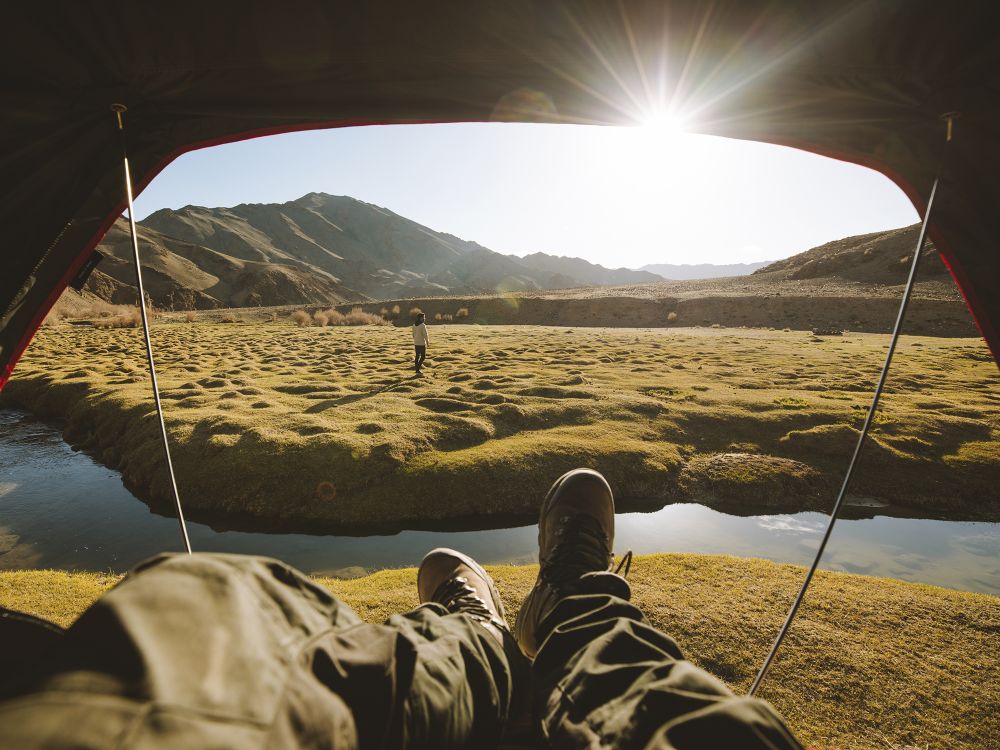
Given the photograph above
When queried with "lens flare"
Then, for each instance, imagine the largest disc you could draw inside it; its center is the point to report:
(665, 124)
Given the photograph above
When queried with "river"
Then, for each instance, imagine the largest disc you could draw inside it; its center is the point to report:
(61, 509)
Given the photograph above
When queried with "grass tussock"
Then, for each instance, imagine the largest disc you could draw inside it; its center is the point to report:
(869, 664)
(506, 409)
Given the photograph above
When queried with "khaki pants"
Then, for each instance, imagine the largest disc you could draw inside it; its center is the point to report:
(228, 651)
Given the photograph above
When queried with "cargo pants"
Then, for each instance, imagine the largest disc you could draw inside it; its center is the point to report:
(229, 651)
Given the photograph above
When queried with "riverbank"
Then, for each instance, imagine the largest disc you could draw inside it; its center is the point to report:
(870, 662)
(278, 427)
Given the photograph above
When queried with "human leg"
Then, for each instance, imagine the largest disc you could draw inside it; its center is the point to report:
(602, 676)
(420, 354)
(187, 651)
(605, 677)
(459, 676)
(233, 651)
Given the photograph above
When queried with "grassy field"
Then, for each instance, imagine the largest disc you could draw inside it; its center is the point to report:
(870, 663)
(327, 427)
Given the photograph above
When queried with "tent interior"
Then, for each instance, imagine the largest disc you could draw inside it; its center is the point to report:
(909, 88)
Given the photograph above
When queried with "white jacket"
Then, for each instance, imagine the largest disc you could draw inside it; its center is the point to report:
(420, 337)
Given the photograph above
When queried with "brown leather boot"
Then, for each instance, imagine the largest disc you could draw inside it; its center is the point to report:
(576, 531)
(462, 586)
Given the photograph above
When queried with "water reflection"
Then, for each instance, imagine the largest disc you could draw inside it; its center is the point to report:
(60, 509)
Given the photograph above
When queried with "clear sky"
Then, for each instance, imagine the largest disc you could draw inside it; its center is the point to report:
(618, 196)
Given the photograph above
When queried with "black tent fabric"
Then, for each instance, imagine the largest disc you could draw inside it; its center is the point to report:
(866, 82)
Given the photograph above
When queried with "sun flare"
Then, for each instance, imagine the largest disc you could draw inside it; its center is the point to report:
(664, 124)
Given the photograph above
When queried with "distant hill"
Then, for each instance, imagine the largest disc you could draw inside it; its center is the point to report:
(182, 275)
(863, 266)
(585, 273)
(875, 258)
(854, 283)
(335, 250)
(320, 249)
(687, 271)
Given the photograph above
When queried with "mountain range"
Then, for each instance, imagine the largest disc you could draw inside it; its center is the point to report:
(330, 250)
(688, 271)
(321, 249)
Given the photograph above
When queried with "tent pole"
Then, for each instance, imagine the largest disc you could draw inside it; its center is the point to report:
(120, 109)
(894, 339)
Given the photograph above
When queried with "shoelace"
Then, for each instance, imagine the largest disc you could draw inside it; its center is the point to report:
(625, 562)
(582, 547)
(458, 596)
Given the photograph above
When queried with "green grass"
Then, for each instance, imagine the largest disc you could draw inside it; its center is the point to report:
(328, 425)
(870, 663)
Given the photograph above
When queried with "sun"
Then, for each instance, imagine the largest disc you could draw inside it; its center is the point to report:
(664, 124)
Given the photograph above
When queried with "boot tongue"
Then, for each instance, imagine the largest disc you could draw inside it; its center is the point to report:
(581, 547)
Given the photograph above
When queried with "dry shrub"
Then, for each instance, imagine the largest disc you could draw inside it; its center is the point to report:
(447, 318)
(55, 315)
(716, 325)
(415, 311)
(72, 306)
(384, 312)
(336, 318)
(301, 318)
(672, 317)
(437, 316)
(358, 317)
(127, 317)
(228, 318)
(321, 318)
(65, 307)
(462, 312)
(189, 316)
(395, 309)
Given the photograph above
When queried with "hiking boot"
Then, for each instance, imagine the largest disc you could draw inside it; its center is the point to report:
(576, 531)
(460, 584)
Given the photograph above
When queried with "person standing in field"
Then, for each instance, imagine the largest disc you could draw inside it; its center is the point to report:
(420, 341)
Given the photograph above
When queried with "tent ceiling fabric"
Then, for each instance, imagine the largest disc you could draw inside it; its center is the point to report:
(866, 82)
